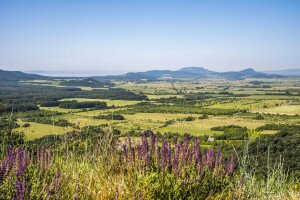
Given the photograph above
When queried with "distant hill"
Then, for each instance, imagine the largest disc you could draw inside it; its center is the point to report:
(285, 72)
(195, 72)
(17, 76)
(186, 72)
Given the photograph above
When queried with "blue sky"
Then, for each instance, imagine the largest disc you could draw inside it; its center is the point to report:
(142, 35)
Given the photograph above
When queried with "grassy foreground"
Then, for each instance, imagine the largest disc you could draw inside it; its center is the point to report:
(100, 167)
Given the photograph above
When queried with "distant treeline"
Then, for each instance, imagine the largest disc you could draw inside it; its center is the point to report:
(88, 82)
(16, 97)
(45, 117)
(89, 104)
(146, 107)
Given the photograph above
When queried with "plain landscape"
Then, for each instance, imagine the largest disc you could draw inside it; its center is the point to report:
(186, 134)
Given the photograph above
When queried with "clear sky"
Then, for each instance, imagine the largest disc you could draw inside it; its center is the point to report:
(156, 34)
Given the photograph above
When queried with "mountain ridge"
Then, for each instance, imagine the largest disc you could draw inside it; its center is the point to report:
(184, 72)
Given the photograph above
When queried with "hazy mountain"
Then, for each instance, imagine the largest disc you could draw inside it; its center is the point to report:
(285, 72)
(196, 72)
(186, 72)
(17, 75)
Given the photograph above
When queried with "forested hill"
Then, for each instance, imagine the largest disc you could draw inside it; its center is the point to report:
(17, 76)
(191, 72)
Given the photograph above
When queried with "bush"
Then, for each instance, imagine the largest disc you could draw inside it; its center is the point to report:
(189, 118)
(111, 117)
(204, 116)
(231, 132)
(26, 125)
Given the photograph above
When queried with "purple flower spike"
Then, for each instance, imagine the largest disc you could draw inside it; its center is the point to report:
(230, 166)
(158, 157)
(125, 152)
(139, 151)
(210, 158)
(219, 157)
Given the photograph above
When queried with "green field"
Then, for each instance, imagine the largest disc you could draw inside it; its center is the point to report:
(37, 130)
(284, 109)
(219, 94)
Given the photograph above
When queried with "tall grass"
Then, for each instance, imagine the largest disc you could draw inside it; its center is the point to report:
(153, 168)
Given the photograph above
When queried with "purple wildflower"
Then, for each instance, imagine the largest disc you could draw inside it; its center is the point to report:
(230, 166)
(158, 157)
(164, 154)
(210, 158)
(218, 157)
(139, 151)
(176, 160)
(125, 152)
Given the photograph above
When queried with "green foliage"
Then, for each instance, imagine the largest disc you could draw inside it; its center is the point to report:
(45, 117)
(18, 97)
(8, 122)
(231, 132)
(168, 186)
(154, 108)
(284, 144)
(9, 137)
(279, 127)
(89, 104)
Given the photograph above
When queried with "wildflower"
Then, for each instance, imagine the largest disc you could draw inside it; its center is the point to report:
(158, 157)
(125, 152)
(210, 158)
(218, 157)
(139, 151)
(230, 166)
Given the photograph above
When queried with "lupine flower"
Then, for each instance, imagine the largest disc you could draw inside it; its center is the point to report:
(169, 156)
(176, 160)
(197, 153)
(132, 154)
(145, 146)
(159, 157)
(218, 157)
(230, 166)
(125, 152)
(164, 154)
(175, 141)
(20, 187)
(210, 158)
(139, 151)
(152, 142)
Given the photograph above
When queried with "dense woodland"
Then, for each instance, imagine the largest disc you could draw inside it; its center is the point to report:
(87, 82)
(17, 97)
